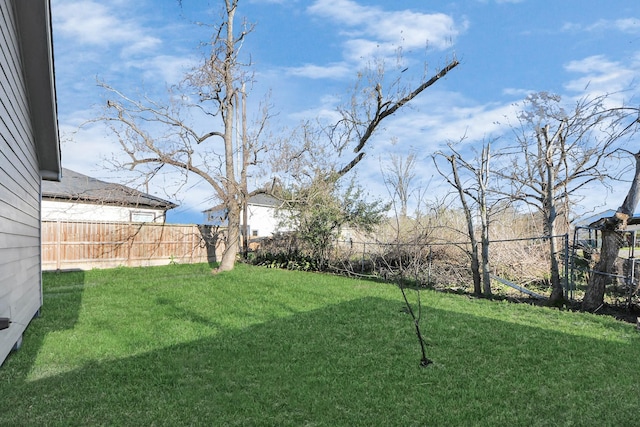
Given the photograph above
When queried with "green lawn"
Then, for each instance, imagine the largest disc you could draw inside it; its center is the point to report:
(261, 347)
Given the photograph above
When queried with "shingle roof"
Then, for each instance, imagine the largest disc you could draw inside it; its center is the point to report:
(255, 200)
(264, 200)
(75, 186)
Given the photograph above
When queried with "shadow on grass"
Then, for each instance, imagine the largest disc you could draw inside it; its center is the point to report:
(212, 239)
(67, 287)
(354, 363)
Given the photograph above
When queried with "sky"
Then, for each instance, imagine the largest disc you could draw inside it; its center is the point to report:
(306, 55)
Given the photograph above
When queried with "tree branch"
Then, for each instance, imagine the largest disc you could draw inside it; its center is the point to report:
(385, 109)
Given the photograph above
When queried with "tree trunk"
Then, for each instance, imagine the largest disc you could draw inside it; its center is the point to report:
(557, 293)
(243, 177)
(483, 178)
(228, 109)
(594, 296)
(549, 203)
(232, 244)
(475, 261)
(475, 270)
(612, 241)
(486, 273)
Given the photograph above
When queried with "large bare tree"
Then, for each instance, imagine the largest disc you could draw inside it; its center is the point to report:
(557, 153)
(154, 135)
(196, 132)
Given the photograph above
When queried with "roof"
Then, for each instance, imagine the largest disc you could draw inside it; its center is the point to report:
(264, 200)
(585, 221)
(75, 186)
(255, 200)
(633, 222)
(34, 31)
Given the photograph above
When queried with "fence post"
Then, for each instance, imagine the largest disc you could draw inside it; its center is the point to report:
(566, 267)
(429, 265)
(58, 245)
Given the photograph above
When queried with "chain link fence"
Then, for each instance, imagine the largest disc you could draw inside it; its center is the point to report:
(443, 265)
(623, 282)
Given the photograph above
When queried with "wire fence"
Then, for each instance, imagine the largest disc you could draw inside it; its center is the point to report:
(623, 281)
(515, 263)
(523, 262)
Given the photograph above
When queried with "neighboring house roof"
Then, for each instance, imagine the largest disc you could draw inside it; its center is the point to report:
(34, 23)
(264, 200)
(598, 221)
(75, 186)
(586, 220)
(255, 200)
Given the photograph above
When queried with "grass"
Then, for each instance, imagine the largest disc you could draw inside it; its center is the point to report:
(260, 347)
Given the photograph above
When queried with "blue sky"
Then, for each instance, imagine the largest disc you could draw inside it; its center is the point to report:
(307, 54)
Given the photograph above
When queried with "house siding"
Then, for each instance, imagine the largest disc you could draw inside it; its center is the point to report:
(71, 211)
(262, 219)
(20, 277)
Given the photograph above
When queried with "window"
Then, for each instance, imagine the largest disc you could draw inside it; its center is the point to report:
(254, 233)
(138, 216)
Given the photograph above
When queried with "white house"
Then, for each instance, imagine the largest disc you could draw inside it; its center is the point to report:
(262, 217)
(78, 197)
(29, 152)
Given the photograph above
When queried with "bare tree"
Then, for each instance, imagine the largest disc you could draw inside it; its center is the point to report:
(154, 135)
(476, 189)
(322, 148)
(312, 160)
(216, 86)
(370, 105)
(556, 154)
(612, 240)
(398, 176)
(404, 261)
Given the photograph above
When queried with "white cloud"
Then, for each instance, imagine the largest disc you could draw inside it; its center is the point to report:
(625, 25)
(416, 30)
(325, 112)
(167, 68)
(401, 28)
(516, 92)
(628, 25)
(331, 71)
(373, 30)
(438, 126)
(92, 23)
(600, 75)
(86, 149)
(358, 50)
(344, 11)
(426, 132)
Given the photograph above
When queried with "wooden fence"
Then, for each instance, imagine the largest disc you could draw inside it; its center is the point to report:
(86, 245)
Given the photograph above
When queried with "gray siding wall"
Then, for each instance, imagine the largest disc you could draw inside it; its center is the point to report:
(20, 278)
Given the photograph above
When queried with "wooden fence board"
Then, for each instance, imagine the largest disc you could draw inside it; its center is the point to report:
(86, 245)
